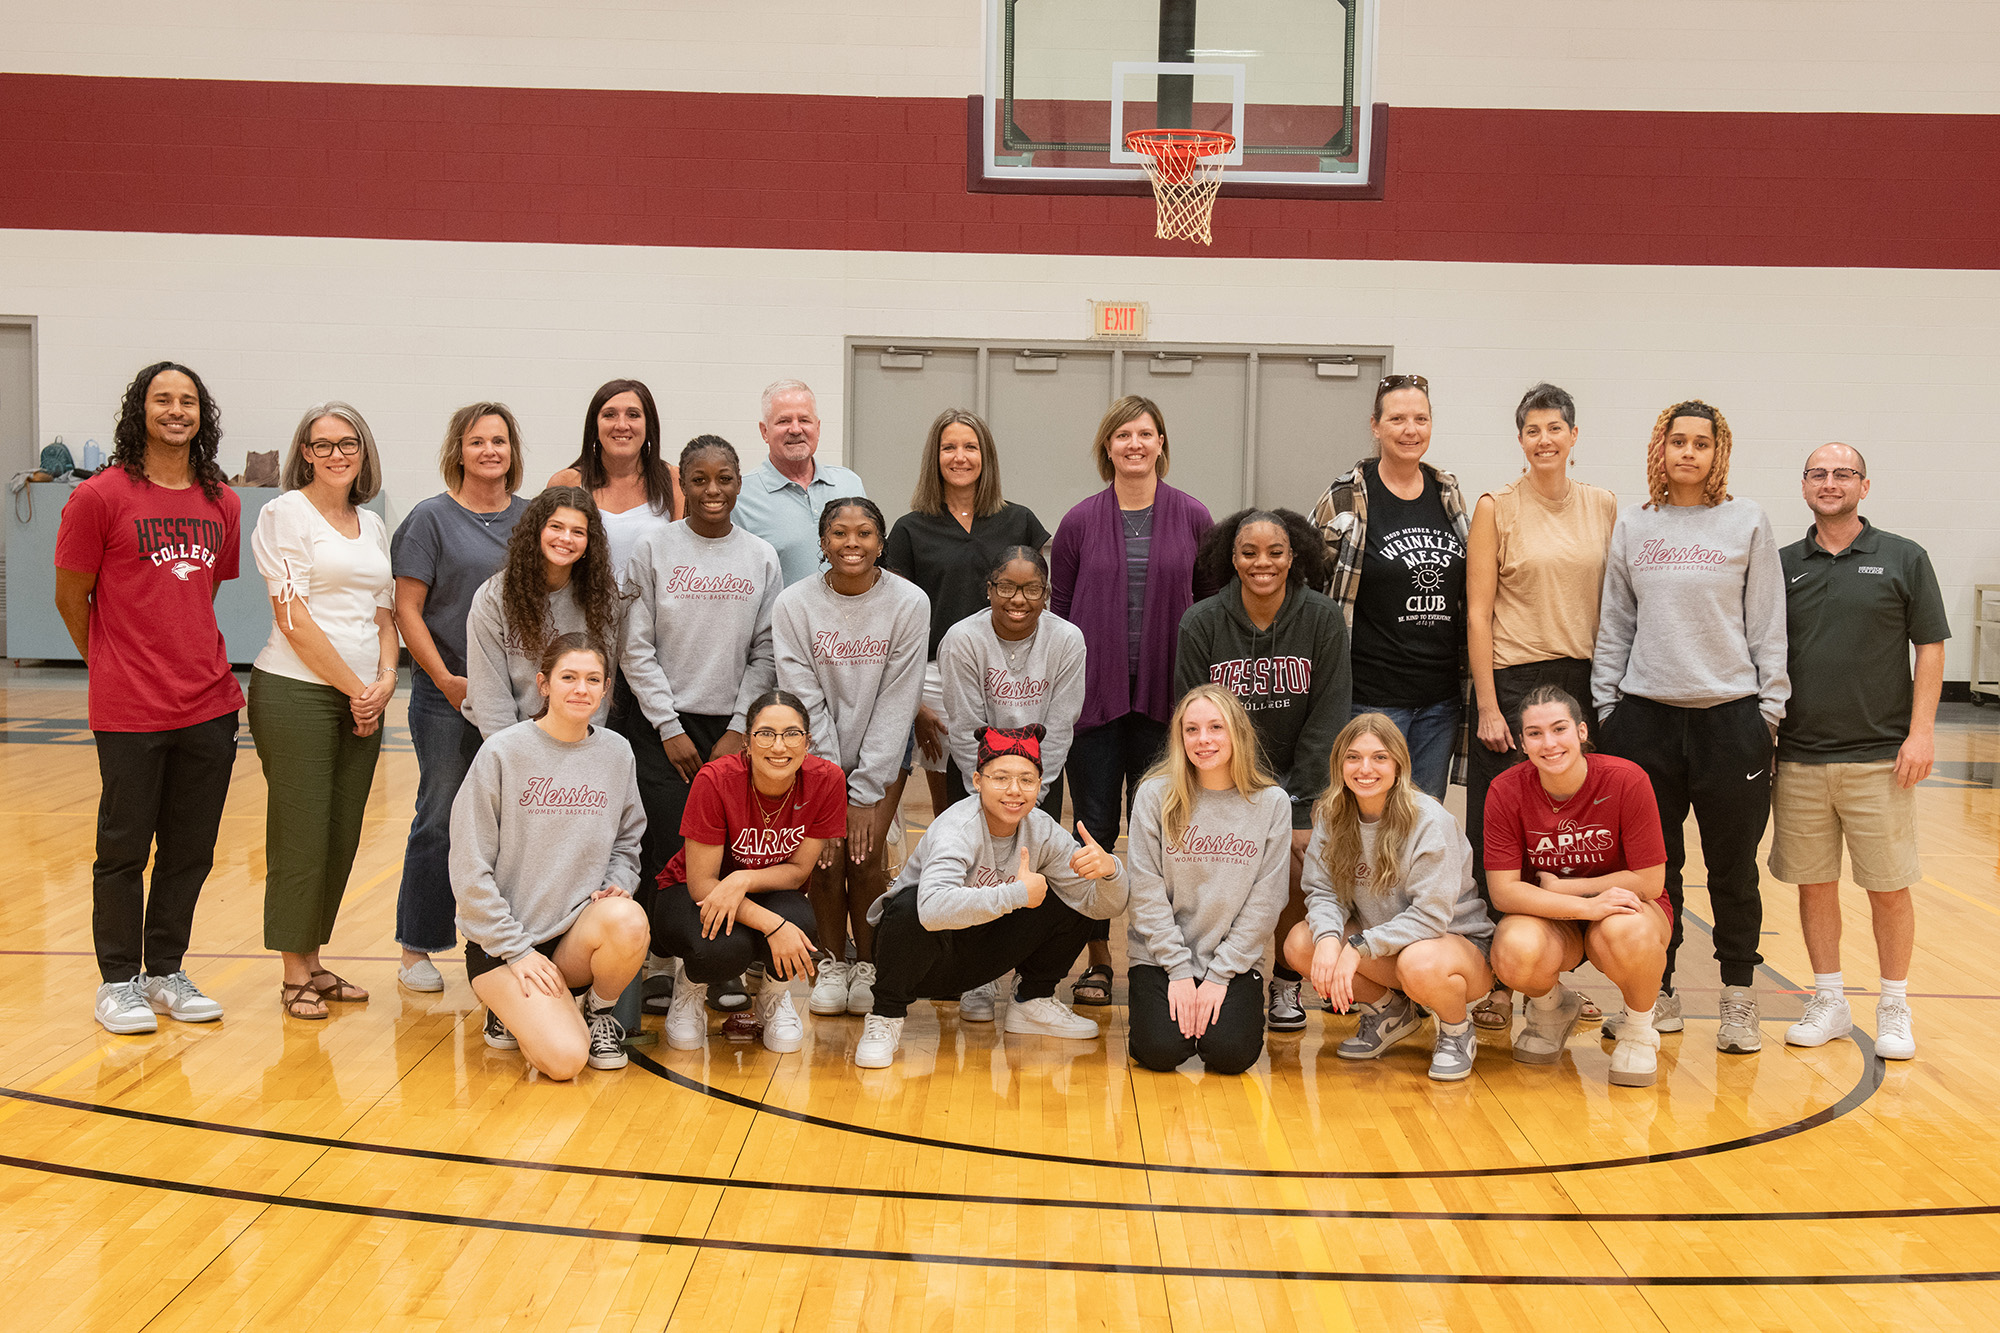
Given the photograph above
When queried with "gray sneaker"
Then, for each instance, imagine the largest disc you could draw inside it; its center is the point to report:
(1667, 1017)
(1383, 1024)
(1546, 1032)
(1738, 1033)
(178, 997)
(1451, 1057)
(1285, 1014)
(122, 1007)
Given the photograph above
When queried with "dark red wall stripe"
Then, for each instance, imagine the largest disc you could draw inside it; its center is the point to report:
(860, 173)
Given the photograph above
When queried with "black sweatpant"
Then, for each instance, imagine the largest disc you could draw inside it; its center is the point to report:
(662, 790)
(1232, 1043)
(677, 934)
(1717, 760)
(1105, 766)
(165, 788)
(1510, 686)
(912, 963)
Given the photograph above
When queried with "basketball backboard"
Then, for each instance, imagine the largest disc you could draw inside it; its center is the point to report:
(1066, 80)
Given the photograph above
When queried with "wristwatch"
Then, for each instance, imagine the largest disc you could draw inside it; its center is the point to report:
(1356, 943)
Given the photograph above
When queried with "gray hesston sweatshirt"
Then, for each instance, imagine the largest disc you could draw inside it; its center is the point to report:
(963, 875)
(1693, 612)
(991, 682)
(500, 674)
(1204, 908)
(540, 825)
(857, 663)
(698, 637)
(1435, 896)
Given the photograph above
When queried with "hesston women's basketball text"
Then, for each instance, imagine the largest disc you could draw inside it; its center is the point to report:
(686, 581)
(1656, 554)
(1194, 845)
(829, 646)
(543, 794)
(1002, 688)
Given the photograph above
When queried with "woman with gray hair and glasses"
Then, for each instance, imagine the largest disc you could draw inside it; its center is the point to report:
(319, 687)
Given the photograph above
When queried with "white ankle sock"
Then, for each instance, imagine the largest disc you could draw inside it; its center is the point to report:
(1549, 1003)
(1455, 1029)
(1637, 1019)
(1896, 990)
(1829, 983)
(597, 1003)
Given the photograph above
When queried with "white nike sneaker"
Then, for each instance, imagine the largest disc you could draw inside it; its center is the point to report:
(178, 997)
(687, 1017)
(1047, 1016)
(1827, 1018)
(879, 1039)
(861, 989)
(976, 1005)
(122, 1007)
(829, 992)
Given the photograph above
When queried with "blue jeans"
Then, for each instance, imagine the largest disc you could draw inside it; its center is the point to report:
(426, 912)
(1430, 732)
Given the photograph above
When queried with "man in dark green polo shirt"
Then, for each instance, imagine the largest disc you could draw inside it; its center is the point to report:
(1856, 739)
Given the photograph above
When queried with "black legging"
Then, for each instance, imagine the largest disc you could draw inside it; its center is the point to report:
(1233, 1042)
(677, 933)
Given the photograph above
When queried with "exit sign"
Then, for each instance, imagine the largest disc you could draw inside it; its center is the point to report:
(1117, 319)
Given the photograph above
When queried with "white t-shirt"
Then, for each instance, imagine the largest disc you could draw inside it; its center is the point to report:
(342, 580)
(623, 530)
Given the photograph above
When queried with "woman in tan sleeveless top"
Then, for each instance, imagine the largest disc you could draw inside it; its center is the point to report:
(1534, 568)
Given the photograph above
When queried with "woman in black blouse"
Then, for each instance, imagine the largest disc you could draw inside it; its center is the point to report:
(947, 544)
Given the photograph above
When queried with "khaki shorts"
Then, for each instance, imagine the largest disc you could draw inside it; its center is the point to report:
(1813, 806)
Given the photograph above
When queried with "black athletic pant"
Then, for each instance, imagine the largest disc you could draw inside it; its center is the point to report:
(1510, 686)
(165, 788)
(662, 790)
(1105, 767)
(912, 963)
(1717, 760)
(1232, 1043)
(677, 934)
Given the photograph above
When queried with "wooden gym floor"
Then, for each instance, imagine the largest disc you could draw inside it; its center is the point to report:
(384, 1170)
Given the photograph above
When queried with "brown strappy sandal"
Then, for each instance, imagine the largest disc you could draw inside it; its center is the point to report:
(340, 991)
(1493, 1014)
(301, 1001)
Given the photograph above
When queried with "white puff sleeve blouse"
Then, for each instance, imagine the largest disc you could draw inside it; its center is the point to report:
(342, 580)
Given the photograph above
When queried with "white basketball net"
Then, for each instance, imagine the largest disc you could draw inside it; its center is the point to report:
(1185, 181)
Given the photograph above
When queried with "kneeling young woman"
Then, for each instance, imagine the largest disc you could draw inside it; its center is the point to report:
(995, 885)
(544, 857)
(1211, 855)
(734, 894)
(1575, 859)
(1392, 918)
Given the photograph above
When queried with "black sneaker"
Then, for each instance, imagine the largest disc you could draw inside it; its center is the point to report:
(607, 1039)
(1284, 1013)
(497, 1035)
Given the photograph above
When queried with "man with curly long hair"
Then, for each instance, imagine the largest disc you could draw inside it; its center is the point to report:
(143, 549)
(1690, 682)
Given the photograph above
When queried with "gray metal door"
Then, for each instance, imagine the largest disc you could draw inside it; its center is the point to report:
(892, 398)
(1310, 427)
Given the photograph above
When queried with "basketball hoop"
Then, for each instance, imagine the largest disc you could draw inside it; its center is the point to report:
(1185, 167)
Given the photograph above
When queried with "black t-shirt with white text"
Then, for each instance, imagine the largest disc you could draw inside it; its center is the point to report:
(1409, 614)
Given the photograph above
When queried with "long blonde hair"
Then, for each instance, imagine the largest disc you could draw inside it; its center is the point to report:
(1338, 813)
(1244, 770)
(1713, 491)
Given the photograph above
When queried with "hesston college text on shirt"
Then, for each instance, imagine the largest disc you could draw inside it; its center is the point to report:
(168, 542)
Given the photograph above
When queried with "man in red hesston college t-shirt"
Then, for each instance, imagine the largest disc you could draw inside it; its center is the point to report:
(143, 548)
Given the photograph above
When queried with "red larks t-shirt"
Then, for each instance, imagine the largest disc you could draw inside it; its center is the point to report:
(157, 658)
(1612, 823)
(724, 812)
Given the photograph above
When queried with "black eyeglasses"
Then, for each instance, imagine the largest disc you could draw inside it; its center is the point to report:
(1007, 591)
(326, 448)
(1818, 475)
(766, 738)
(1392, 382)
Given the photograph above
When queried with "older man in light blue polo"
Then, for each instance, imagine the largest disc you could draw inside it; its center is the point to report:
(782, 499)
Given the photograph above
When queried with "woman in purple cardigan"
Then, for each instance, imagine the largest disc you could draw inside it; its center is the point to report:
(1122, 571)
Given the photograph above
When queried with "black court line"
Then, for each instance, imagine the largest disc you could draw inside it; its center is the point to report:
(991, 1261)
(998, 1201)
(1864, 1088)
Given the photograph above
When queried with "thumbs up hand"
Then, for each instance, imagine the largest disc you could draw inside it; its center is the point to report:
(1036, 885)
(1092, 861)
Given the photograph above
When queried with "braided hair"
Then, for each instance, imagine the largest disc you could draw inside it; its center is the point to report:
(1716, 489)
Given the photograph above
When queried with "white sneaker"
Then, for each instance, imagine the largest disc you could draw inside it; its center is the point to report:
(976, 1005)
(687, 1017)
(829, 993)
(1827, 1019)
(1048, 1017)
(784, 1030)
(879, 1039)
(122, 1007)
(861, 988)
(421, 976)
(1635, 1060)
(178, 997)
(1738, 1033)
(1894, 1039)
